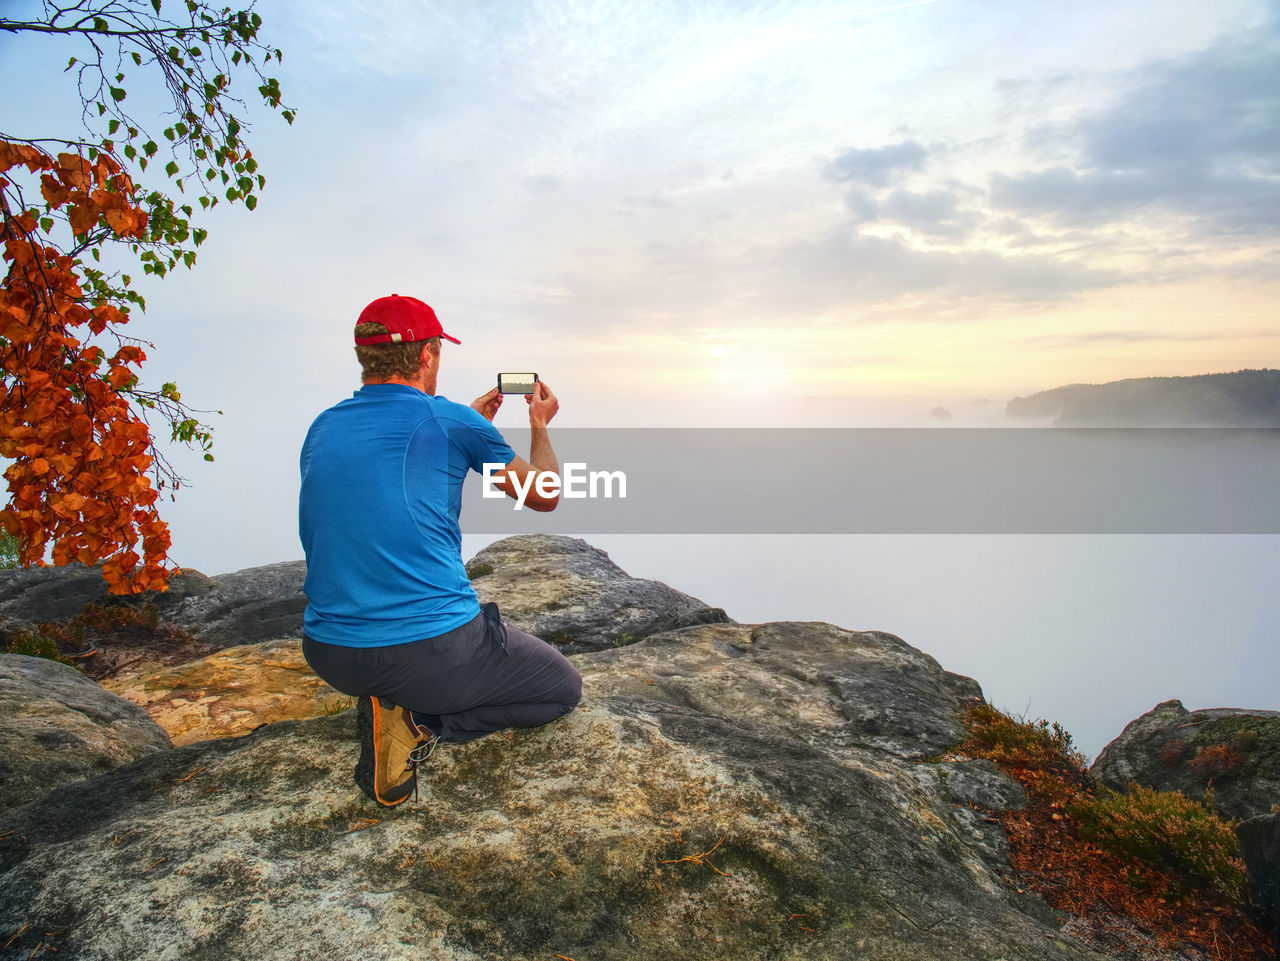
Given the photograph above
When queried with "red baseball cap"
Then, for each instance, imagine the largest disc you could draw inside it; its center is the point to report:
(406, 319)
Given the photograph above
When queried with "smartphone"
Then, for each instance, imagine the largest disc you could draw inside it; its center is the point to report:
(517, 383)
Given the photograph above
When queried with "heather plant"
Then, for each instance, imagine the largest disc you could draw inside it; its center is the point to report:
(1215, 762)
(33, 644)
(1001, 737)
(1165, 829)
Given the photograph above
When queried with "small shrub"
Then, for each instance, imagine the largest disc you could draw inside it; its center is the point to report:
(34, 644)
(1246, 742)
(1215, 762)
(111, 620)
(1168, 830)
(337, 707)
(1000, 736)
(1173, 751)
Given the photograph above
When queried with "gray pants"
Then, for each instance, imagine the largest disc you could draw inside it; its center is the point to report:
(476, 680)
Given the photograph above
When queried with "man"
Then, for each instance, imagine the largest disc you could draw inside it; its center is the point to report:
(391, 617)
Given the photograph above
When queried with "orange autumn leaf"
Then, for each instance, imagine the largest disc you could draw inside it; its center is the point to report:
(77, 485)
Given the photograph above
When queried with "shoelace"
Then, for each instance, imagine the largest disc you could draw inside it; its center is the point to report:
(424, 750)
(421, 753)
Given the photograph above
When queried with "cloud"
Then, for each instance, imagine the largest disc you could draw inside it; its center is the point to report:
(877, 166)
(1090, 337)
(542, 183)
(936, 213)
(1194, 137)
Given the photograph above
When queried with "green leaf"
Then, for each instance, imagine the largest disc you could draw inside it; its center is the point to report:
(71, 63)
(100, 25)
(208, 457)
(137, 58)
(200, 235)
(251, 201)
(156, 5)
(171, 168)
(150, 148)
(117, 93)
(46, 224)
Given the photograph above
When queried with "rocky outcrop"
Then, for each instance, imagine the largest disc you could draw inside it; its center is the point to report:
(559, 588)
(57, 727)
(1172, 749)
(819, 682)
(256, 604)
(231, 692)
(29, 596)
(571, 594)
(1260, 847)
(771, 807)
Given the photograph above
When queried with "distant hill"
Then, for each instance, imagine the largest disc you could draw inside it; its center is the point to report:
(1245, 398)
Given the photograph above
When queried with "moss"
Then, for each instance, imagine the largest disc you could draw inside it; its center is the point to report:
(479, 569)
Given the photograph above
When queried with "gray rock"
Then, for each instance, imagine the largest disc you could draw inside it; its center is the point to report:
(257, 604)
(559, 588)
(819, 682)
(1260, 846)
(57, 726)
(1172, 749)
(569, 593)
(667, 823)
(29, 596)
(980, 784)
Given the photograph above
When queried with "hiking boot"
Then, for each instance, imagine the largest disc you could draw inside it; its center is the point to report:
(391, 747)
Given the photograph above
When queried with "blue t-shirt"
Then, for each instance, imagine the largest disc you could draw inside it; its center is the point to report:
(382, 477)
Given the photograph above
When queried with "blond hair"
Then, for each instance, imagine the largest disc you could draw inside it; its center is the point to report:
(381, 361)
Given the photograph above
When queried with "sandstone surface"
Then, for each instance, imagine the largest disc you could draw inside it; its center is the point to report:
(57, 727)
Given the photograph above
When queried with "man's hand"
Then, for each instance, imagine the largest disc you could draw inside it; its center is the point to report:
(542, 405)
(487, 404)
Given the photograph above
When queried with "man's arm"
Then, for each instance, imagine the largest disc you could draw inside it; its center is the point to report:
(543, 406)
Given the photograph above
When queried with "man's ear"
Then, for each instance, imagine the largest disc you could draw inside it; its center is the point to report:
(428, 356)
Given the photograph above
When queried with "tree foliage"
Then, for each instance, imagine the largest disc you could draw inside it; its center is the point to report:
(74, 416)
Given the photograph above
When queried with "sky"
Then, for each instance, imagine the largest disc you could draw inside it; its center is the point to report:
(766, 214)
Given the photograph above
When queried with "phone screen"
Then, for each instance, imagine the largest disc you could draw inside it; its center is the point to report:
(517, 383)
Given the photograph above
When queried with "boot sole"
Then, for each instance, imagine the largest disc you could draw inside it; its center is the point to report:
(369, 727)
